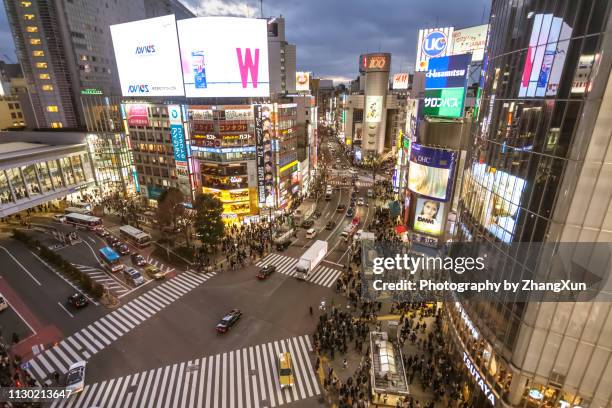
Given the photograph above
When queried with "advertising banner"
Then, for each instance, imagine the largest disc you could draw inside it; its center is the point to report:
(224, 57)
(430, 171)
(470, 40)
(545, 59)
(444, 102)
(428, 216)
(302, 81)
(432, 42)
(147, 56)
(447, 72)
(137, 115)
(261, 192)
(401, 80)
(374, 107)
(178, 143)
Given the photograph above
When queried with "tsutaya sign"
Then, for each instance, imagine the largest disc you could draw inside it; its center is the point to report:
(475, 373)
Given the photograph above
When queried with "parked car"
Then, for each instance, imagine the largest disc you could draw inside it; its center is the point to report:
(138, 260)
(228, 320)
(77, 300)
(75, 377)
(133, 277)
(266, 271)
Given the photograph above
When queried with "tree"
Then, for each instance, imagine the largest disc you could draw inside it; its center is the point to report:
(170, 207)
(208, 223)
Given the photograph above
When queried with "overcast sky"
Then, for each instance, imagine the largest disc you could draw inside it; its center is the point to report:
(330, 34)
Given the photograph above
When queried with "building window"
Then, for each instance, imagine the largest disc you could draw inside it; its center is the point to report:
(26, 3)
(35, 41)
(32, 29)
(13, 115)
(44, 76)
(28, 16)
(47, 87)
(38, 53)
(41, 65)
(5, 191)
(17, 182)
(56, 124)
(43, 174)
(29, 173)
(11, 106)
(52, 108)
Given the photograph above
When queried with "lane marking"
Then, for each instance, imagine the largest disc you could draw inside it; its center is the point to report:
(65, 310)
(19, 314)
(22, 267)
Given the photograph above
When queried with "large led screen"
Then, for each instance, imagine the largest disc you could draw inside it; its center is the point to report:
(494, 198)
(147, 57)
(428, 216)
(224, 57)
(545, 57)
(430, 172)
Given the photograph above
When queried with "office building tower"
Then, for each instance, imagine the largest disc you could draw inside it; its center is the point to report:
(281, 58)
(539, 172)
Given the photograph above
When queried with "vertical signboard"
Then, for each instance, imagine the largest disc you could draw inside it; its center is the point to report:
(374, 109)
(445, 84)
(176, 131)
(261, 192)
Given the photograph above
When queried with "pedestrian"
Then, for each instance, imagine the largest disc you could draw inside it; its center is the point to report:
(310, 309)
(344, 363)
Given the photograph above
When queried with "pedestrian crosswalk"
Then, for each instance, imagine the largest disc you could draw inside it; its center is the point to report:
(322, 275)
(246, 377)
(106, 330)
(358, 183)
(100, 276)
(161, 266)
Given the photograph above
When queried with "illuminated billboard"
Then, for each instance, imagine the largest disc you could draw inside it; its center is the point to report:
(147, 56)
(446, 103)
(545, 58)
(401, 80)
(379, 62)
(224, 57)
(432, 42)
(264, 152)
(470, 40)
(428, 216)
(373, 109)
(302, 81)
(447, 72)
(494, 198)
(430, 171)
(178, 137)
(137, 115)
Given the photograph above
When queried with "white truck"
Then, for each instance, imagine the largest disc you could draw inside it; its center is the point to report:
(311, 258)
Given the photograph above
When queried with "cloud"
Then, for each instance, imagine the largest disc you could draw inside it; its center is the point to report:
(235, 8)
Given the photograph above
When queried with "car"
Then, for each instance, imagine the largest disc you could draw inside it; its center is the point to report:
(353, 172)
(138, 260)
(77, 300)
(360, 201)
(228, 320)
(283, 245)
(102, 233)
(3, 303)
(285, 370)
(266, 271)
(123, 249)
(316, 214)
(350, 212)
(59, 218)
(75, 377)
(341, 208)
(133, 277)
(112, 241)
(311, 233)
(329, 225)
(307, 223)
(370, 193)
(154, 272)
(338, 161)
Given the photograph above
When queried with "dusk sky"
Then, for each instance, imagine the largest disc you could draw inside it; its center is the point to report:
(330, 34)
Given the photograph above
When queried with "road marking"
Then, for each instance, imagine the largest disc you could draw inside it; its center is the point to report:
(333, 263)
(65, 310)
(93, 241)
(20, 316)
(22, 267)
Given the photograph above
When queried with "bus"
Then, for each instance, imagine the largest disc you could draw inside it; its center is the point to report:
(110, 259)
(135, 236)
(77, 210)
(88, 221)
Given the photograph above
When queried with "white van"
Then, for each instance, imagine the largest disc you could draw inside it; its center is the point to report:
(3, 304)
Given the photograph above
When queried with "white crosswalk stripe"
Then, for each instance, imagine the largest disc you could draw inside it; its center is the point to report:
(246, 377)
(103, 278)
(108, 329)
(358, 183)
(322, 275)
(161, 266)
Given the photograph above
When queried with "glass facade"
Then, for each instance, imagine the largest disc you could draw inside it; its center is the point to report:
(544, 83)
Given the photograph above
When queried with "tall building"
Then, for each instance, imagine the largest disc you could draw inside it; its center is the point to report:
(539, 172)
(65, 50)
(281, 58)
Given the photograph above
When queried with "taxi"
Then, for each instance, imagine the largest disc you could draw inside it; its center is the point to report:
(285, 370)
